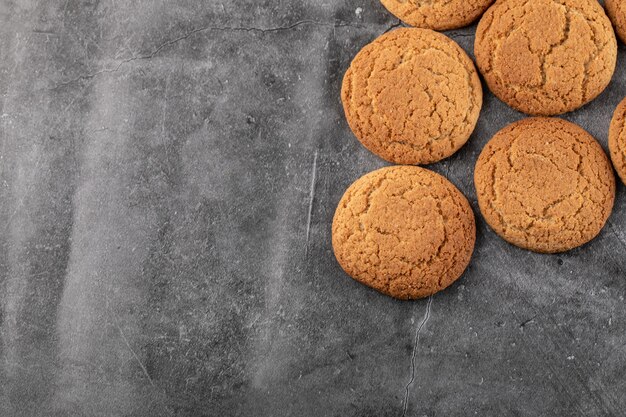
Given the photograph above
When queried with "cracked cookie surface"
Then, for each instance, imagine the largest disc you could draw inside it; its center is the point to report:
(404, 231)
(546, 57)
(437, 14)
(616, 9)
(545, 185)
(412, 96)
(617, 140)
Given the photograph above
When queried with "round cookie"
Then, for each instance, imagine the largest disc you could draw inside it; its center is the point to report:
(404, 231)
(437, 14)
(616, 9)
(412, 96)
(546, 57)
(617, 140)
(545, 185)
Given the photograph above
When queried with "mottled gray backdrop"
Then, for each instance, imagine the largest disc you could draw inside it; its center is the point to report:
(169, 172)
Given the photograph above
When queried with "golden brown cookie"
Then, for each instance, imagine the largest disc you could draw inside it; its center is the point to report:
(437, 14)
(616, 9)
(546, 57)
(617, 140)
(412, 96)
(404, 231)
(545, 185)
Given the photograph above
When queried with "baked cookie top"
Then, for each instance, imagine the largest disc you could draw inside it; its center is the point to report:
(412, 96)
(404, 231)
(617, 140)
(616, 9)
(437, 14)
(545, 185)
(546, 57)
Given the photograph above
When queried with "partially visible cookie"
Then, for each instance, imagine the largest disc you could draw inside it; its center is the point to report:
(617, 140)
(437, 14)
(616, 9)
(545, 57)
(412, 96)
(545, 185)
(404, 231)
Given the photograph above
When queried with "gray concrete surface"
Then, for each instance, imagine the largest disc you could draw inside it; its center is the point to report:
(169, 172)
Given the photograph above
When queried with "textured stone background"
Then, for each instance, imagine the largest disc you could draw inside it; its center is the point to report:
(169, 171)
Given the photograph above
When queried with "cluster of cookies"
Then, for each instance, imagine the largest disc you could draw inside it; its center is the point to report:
(413, 97)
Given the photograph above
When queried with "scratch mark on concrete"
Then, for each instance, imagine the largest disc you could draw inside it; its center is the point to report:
(43, 32)
(413, 355)
(311, 200)
(393, 26)
(164, 132)
(527, 321)
(205, 29)
(143, 368)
